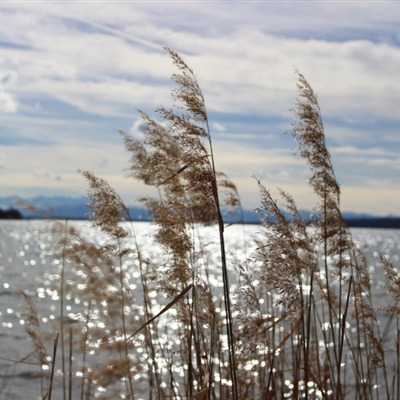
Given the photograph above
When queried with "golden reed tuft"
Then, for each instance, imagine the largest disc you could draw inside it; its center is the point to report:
(301, 323)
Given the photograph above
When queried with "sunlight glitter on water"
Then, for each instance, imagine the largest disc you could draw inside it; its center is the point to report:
(28, 262)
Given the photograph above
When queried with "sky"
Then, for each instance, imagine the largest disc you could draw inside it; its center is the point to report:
(74, 73)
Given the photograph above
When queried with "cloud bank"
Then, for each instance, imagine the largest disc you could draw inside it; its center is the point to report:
(72, 74)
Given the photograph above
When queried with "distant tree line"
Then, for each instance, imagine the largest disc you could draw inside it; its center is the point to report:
(384, 222)
(10, 214)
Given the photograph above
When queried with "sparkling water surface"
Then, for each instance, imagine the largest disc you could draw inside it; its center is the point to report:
(29, 261)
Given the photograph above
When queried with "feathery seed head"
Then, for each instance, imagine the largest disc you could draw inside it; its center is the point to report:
(108, 209)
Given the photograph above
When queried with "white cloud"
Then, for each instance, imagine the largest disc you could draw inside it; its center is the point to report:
(7, 103)
(378, 197)
(8, 79)
(47, 175)
(367, 153)
(100, 163)
(241, 69)
(53, 168)
(218, 127)
(107, 61)
(138, 129)
(54, 70)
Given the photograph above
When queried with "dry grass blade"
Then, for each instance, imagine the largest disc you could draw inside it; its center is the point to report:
(23, 360)
(33, 329)
(154, 159)
(393, 277)
(52, 368)
(189, 91)
(165, 309)
(108, 209)
(305, 326)
(26, 205)
(308, 130)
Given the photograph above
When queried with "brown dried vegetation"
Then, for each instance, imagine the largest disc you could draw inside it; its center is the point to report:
(301, 325)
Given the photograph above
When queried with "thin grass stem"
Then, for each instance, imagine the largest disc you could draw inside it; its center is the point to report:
(50, 390)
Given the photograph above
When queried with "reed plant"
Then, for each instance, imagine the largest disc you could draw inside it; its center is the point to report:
(154, 326)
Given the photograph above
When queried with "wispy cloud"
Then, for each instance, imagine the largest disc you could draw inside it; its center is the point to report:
(8, 79)
(72, 74)
(7, 102)
(47, 175)
(95, 66)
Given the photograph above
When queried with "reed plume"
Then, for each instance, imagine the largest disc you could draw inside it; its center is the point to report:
(341, 258)
(32, 327)
(302, 323)
(393, 278)
(108, 209)
(306, 278)
(33, 330)
(178, 162)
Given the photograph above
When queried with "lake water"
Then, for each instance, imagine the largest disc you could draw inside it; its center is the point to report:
(29, 261)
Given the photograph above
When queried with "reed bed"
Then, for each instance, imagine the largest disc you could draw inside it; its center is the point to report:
(300, 323)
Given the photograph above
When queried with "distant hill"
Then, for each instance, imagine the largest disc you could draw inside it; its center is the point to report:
(374, 222)
(58, 207)
(63, 207)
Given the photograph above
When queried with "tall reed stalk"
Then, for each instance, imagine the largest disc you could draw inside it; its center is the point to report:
(302, 323)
